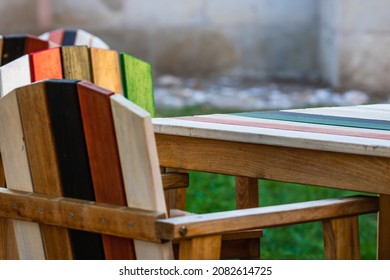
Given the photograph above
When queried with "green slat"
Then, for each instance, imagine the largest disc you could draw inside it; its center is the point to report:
(319, 119)
(138, 82)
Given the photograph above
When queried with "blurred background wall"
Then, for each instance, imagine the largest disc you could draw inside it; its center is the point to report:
(343, 43)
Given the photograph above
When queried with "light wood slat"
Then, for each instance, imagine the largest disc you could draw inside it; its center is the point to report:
(14, 74)
(79, 214)
(46, 65)
(43, 163)
(140, 168)
(138, 82)
(106, 69)
(341, 238)
(104, 159)
(99, 43)
(18, 176)
(76, 63)
(83, 38)
(304, 166)
(296, 139)
(264, 217)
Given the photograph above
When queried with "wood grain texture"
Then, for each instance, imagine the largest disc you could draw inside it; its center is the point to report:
(106, 69)
(201, 248)
(247, 192)
(104, 159)
(71, 153)
(46, 65)
(264, 217)
(303, 166)
(341, 238)
(138, 82)
(80, 214)
(8, 245)
(43, 161)
(140, 168)
(76, 64)
(28, 235)
(14, 74)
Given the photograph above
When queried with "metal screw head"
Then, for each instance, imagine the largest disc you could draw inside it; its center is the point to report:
(102, 221)
(183, 230)
(14, 205)
(71, 215)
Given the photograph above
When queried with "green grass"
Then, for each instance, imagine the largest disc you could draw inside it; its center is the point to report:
(214, 192)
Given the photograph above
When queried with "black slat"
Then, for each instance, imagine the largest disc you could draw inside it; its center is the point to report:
(72, 156)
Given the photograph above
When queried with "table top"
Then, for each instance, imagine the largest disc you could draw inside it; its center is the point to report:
(363, 129)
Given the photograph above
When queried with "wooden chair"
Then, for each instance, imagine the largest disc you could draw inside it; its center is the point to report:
(58, 192)
(106, 68)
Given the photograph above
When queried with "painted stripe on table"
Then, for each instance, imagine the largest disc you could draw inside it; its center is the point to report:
(319, 119)
(348, 111)
(301, 128)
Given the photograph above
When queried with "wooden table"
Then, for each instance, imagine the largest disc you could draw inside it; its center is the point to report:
(338, 147)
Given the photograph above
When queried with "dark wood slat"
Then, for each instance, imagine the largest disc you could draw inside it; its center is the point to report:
(104, 159)
(66, 123)
(13, 47)
(34, 44)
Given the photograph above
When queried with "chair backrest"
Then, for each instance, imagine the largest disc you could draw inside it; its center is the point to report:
(73, 37)
(103, 150)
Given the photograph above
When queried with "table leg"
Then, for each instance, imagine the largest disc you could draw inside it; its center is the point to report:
(384, 228)
(247, 194)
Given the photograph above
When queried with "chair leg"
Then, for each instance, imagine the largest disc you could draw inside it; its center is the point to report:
(341, 238)
(384, 228)
(201, 248)
(8, 247)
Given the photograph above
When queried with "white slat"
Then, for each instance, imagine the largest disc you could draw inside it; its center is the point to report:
(17, 173)
(14, 74)
(140, 168)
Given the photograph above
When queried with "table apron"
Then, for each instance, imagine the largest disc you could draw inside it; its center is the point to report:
(303, 166)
